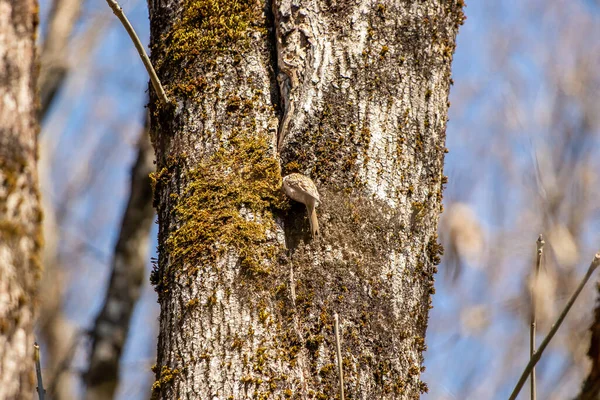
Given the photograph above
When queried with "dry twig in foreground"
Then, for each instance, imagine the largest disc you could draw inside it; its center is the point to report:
(38, 370)
(140, 48)
(532, 332)
(538, 354)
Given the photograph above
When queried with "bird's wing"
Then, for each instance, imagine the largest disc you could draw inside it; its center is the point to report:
(309, 188)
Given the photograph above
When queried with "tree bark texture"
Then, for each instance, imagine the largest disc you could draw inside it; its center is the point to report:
(20, 215)
(129, 261)
(352, 94)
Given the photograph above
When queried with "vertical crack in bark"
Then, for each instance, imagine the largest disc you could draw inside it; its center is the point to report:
(276, 95)
(286, 75)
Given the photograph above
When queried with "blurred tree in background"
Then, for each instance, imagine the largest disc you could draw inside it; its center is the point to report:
(20, 209)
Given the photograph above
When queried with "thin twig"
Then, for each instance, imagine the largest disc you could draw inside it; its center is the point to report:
(538, 354)
(38, 370)
(140, 48)
(532, 332)
(339, 353)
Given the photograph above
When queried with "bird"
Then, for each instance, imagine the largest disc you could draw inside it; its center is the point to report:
(303, 190)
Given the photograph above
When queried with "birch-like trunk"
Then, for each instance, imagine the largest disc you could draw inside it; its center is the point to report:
(354, 95)
(20, 214)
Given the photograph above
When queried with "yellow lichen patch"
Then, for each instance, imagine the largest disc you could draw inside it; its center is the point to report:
(167, 375)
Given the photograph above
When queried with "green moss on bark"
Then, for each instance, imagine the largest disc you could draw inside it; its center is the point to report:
(206, 29)
(228, 204)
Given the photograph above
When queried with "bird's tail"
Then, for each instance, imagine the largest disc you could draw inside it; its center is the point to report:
(314, 222)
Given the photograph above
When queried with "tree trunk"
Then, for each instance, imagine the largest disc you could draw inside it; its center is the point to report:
(354, 96)
(111, 328)
(20, 215)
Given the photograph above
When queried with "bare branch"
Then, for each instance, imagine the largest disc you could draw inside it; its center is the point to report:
(140, 48)
(538, 354)
(38, 370)
(540, 250)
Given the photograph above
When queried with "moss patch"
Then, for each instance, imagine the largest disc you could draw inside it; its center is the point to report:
(167, 375)
(211, 25)
(228, 204)
(205, 29)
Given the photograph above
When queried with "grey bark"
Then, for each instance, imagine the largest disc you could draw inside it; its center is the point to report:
(111, 327)
(355, 96)
(20, 215)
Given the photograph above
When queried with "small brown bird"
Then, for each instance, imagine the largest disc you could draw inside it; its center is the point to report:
(302, 189)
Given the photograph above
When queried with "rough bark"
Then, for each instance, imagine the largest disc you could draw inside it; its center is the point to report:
(352, 94)
(20, 216)
(130, 256)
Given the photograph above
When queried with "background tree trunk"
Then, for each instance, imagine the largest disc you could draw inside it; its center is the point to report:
(352, 95)
(111, 327)
(20, 216)
(56, 332)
